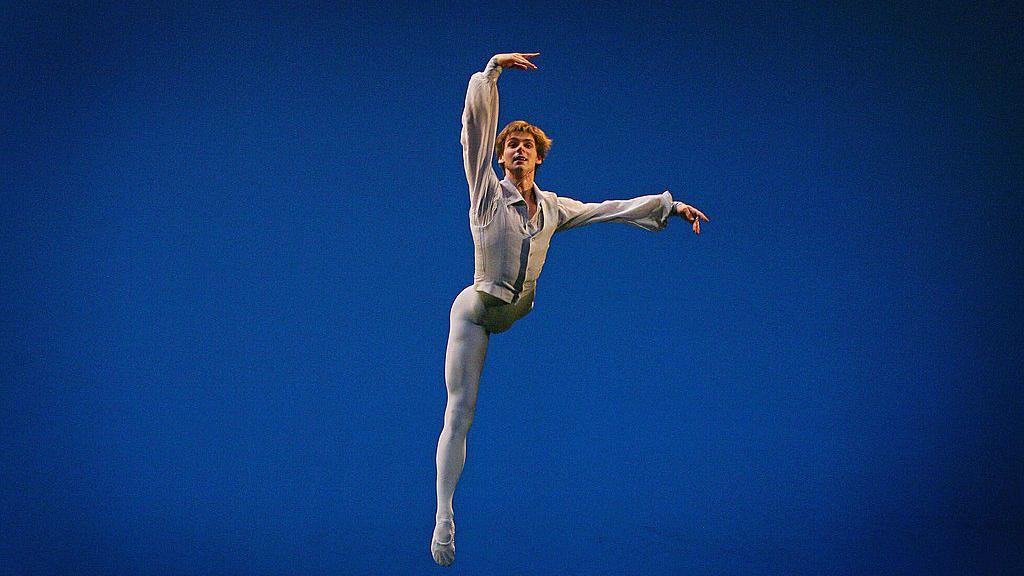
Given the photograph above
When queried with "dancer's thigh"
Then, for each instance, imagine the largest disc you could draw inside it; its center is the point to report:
(467, 348)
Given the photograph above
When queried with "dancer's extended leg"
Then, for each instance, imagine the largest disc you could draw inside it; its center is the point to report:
(464, 361)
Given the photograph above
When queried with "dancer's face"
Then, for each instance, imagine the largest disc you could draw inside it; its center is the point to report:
(520, 154)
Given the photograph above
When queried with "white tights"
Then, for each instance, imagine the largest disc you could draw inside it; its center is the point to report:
(474, 317)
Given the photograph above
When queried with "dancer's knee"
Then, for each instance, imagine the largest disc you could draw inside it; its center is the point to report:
(458, 418)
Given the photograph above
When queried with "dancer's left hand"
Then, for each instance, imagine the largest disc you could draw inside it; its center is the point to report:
(692, 215)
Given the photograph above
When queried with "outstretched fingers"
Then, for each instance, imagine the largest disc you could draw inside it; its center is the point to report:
(526, 65)
(522, 59)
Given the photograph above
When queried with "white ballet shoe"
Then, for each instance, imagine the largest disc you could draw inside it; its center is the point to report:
(443, 552)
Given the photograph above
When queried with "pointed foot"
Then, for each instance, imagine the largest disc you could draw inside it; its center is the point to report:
(442, 544)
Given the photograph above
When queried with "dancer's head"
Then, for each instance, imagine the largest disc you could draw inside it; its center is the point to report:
(521, 147)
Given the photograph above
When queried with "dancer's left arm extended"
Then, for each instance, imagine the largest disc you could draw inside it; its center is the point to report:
(648, 212)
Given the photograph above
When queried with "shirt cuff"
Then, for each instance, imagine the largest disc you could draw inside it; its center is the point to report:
(493, 70)
(669, 206)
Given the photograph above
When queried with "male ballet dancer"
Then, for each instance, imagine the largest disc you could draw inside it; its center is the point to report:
(512, 221)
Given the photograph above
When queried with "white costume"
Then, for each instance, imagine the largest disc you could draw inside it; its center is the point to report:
(510, 249)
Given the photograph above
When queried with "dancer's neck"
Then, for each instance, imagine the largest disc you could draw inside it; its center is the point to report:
(524, 184)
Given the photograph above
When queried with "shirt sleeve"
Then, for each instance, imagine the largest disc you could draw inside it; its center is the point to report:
(648, 212)
(479, 127)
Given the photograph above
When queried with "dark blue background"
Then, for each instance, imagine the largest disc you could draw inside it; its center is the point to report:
(231, 237)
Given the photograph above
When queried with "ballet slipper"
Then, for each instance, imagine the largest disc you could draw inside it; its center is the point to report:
(443, 552)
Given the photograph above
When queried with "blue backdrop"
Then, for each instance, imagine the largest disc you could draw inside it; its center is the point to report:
(231, 237)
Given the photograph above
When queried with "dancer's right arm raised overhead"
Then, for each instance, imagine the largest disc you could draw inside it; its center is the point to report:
(479, 128)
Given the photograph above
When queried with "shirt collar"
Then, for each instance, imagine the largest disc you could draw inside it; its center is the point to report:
(512, 194)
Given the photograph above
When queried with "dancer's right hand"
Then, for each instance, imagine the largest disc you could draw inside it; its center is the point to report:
(691, 214)
(517, 60)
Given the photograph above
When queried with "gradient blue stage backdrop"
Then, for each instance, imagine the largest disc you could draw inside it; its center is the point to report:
(231, 237)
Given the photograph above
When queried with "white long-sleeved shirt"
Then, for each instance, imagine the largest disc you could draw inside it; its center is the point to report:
(509, 246)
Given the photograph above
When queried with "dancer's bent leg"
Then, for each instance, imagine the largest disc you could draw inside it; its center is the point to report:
(463, 365)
